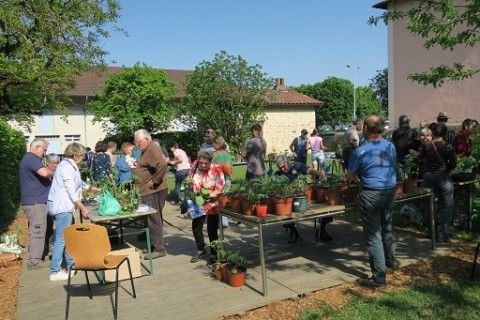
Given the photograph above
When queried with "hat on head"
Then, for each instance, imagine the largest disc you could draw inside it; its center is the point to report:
(442, 116)
(304, 131)
(403, 119)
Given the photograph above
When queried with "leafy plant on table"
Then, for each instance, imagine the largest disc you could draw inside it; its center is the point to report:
(465, 164)
(335, 180)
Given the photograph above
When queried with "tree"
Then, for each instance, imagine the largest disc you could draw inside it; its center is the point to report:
(367, 102)
(138, 97)
(337, 95)
(379, 84)
(443, 23)
(228, 95)
(44, 45)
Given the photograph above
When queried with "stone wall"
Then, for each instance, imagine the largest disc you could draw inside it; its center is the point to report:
(284, 123)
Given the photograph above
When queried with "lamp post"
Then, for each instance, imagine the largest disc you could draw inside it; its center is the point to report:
(354, 95)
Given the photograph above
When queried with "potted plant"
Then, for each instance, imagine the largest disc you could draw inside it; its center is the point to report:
(283, 199)
(300, 199)
(220, 262)
(464, 169)
(410, 171)
(235, 194)
(236, 268)
(256, 199)
(336, 188)
(10, 242)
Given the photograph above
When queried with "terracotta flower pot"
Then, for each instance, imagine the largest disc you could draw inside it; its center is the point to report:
(269, 203)
(261, 210)
(236, 204)
(247, 207)
(321, 192)
(334, 197)
(283, 206)
(399, 188)
(238, 279)
(224, 269)
(308, 193)
(410, 185)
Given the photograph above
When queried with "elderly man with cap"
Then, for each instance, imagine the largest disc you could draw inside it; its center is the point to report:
(450, 136)
(404, 139)
(299, 147)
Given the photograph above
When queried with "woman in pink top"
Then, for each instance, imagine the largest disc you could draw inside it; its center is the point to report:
(182, 167)
(315, 142)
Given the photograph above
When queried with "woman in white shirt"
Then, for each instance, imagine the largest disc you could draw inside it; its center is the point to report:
(64, 196)
(315, 142)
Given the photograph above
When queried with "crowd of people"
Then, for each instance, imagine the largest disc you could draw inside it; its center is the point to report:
(51, 190)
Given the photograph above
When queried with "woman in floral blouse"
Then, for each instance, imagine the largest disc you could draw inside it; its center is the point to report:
(206, 175)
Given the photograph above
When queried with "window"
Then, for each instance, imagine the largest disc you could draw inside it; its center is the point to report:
(72, 137)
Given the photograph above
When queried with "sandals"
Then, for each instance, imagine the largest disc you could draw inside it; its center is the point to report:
(198, 256)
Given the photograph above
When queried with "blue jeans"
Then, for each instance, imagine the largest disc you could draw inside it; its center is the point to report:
(442, 185)
(376, 209)
(180, 175)
(62, 221)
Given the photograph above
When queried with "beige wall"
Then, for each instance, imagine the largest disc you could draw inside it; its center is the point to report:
(77, 124)
(284, 123)
(406, 55)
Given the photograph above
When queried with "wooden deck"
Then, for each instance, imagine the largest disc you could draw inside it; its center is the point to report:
(182, 290)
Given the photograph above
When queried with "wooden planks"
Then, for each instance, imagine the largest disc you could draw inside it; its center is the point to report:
(182, 290)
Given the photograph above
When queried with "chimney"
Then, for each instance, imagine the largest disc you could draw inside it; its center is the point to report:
(280, 85)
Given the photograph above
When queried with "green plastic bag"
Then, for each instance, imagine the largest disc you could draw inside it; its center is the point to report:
(109, 206)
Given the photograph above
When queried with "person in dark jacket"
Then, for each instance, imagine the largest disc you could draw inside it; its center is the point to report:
(404, 139)
(440, 159)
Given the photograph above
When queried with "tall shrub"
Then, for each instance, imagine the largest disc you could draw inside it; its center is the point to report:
(12, 149)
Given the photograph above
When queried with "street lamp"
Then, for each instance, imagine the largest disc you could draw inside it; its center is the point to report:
(354, 96)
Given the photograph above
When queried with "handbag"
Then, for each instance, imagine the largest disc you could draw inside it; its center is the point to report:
(109, 206)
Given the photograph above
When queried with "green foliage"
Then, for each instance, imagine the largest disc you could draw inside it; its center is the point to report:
(228, 95)
(337, 94)
(379, 84)
(235, 261)
(465, 164)
(44, 45)
(446, 24)
(12, 149)
(139, 97)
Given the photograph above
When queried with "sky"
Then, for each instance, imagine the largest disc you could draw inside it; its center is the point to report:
(303, 41)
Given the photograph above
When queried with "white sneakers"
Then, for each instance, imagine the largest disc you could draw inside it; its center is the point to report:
(61, 275)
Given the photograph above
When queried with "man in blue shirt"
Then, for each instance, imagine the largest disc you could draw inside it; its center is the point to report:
(34, 187)
(374, 164)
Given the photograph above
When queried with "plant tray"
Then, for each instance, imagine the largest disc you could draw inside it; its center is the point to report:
(463, 177)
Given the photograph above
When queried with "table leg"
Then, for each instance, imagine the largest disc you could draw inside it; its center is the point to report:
(431, 214)
(220, 228)
(262, 259)
(471, 187)
(149, 250)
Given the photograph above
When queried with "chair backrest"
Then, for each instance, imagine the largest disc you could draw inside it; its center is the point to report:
(87, 244)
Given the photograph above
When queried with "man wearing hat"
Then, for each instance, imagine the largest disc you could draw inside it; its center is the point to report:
(443, 118)
(403, 139)
(299, 147)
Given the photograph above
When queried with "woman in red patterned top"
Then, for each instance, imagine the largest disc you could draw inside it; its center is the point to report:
(206, 175)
